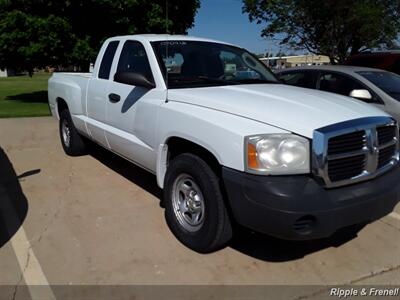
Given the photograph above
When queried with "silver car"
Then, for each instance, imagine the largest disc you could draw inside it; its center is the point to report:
(374, 86)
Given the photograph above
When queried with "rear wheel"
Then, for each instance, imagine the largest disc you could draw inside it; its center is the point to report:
(194, 205)
(72, 142)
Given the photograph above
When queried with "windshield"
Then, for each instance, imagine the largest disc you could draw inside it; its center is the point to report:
(199, 64)
(386, 81)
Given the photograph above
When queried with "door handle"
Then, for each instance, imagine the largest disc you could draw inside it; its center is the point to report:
(114, 98)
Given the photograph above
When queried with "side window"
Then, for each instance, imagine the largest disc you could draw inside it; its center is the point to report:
(105, 66)
(134, 59)
(396, 67)
(339, 84)
(301, 79)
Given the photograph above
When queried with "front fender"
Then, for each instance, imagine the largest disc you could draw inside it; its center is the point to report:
(220, 133)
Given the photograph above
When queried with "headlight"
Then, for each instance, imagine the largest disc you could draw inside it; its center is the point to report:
(277, 154)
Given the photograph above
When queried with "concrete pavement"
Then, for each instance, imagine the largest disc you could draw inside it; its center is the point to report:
(97, 220)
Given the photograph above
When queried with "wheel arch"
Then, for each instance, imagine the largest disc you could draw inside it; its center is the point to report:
(61, 105)
(175, 145)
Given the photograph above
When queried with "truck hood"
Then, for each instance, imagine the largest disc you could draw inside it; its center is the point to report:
(298, 110)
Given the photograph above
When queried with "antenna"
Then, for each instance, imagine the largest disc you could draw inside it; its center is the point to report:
(166, 18)
(166, 48)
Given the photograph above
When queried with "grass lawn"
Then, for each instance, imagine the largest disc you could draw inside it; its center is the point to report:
(22, 96)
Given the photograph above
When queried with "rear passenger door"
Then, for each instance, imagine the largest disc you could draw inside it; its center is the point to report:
(303, 78)
(97, 95)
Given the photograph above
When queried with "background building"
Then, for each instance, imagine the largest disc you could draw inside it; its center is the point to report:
(6, 73)
(3, 73)
(295, 61)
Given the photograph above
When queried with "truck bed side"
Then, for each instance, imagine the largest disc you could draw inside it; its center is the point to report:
(71, 88)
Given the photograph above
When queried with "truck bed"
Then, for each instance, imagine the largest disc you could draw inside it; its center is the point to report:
(73, 74)
(71, 86)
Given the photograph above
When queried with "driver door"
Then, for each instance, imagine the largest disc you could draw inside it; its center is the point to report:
(131, 111)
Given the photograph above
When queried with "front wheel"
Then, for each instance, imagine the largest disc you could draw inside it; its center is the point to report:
(194, 206)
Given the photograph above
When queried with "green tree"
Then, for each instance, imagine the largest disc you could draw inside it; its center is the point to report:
(37, 33)
(25, 40)
(336, 28)
(280, 53)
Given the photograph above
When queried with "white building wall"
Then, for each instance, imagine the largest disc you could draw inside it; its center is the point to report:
(3, 73)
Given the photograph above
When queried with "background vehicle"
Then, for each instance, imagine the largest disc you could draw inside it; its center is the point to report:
(293, 163)
(389, 60)
(373, 86)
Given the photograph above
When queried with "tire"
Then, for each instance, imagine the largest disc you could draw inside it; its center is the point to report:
(200, 219)
(72, 142)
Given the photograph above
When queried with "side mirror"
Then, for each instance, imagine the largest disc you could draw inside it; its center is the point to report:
(135, 79)
(361, 94)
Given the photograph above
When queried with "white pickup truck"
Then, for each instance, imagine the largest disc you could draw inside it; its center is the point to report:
(229, 143)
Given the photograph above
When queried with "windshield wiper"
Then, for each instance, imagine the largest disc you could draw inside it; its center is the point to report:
(257, 80)
(217, 80)
(221, 81)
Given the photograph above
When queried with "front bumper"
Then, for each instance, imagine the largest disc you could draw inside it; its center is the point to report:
(298, 208)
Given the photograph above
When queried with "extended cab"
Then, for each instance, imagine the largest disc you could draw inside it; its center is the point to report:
(228, 142)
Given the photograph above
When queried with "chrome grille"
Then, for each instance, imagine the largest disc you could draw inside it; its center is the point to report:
(386, 156)
(387, 136)
(344, 168)
(346, 143)
(355, 150)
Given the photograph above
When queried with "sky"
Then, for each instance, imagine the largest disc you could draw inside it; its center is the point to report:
(223, 20)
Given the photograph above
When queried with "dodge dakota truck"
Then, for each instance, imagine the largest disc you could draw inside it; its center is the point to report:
(228, 143)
